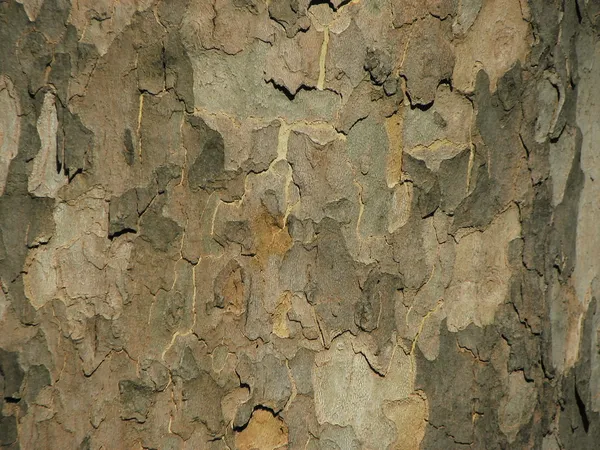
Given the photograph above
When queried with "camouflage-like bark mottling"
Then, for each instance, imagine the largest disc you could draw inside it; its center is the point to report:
(367, 224)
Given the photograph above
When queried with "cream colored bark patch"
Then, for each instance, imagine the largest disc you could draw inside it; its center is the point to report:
(400, 210)
(79, 266)
(408, 415)
(41, 278)
(481, 273)
(280, 325)
(45, 179)
(497, 39)
(349, 393)
(10, 128)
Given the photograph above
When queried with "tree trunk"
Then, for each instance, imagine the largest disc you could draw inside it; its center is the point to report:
(266, 224)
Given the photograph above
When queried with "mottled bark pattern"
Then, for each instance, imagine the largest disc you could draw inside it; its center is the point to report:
(366, 224)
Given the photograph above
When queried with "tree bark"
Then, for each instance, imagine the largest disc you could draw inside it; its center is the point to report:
(366, 224)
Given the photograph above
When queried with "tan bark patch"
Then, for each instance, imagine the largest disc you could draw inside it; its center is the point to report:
(264, 432)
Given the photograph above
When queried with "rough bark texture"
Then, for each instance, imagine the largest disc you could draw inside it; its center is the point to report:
(299, 224)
